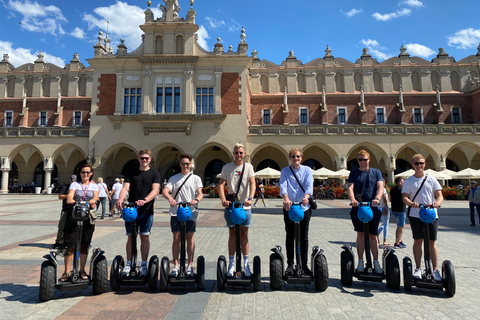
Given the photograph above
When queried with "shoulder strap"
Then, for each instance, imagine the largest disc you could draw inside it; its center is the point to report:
(297, 179)
(420, 187)
(239, 183)
(180, 188)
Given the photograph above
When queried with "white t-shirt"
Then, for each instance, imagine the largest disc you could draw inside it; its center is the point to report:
(231, 173)
(187, 193)
(102, 190)
(117, 187)
(426, 194)
(83, 193)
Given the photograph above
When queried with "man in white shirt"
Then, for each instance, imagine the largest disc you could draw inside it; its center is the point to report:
(115, 194)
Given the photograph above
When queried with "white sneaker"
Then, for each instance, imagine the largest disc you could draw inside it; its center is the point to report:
(361, 265)
(254, 205)
(175, 271)
(436, 275)
(376, 267)
(126, 271)
(266, 205)
(190, 272)
(248, 273)
(143, 271)
(231, 270)
(418, 273)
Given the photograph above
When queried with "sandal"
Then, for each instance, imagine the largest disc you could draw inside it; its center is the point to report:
(386, 243)
(65, 277)
(83, 275)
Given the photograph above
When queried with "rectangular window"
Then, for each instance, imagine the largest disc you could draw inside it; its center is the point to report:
(77, 118)
(8, 119)
(204, 100)
(42, 119)
(456, 115)
(168, 99)
(266, 116)
(417, 115)
(132, 101)
(303, 113)
(380, 112)
(342, 115)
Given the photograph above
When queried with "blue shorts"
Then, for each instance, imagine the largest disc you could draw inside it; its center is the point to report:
(400, 218)
(229, 222)
(144, 223)
(176, 225)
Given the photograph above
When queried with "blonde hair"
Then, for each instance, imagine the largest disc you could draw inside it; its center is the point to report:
(145, 151)
(100, 180)
(417, 156)
(294, 151)
(238, 146)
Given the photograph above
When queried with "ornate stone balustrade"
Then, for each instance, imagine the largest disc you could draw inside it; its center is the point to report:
(44, 132)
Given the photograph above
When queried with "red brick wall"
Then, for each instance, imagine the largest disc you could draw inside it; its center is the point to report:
(106, 94)
(230, 94)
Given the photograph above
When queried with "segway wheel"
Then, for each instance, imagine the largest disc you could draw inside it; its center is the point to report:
(331, 195)
(221, 272)
(100, 275)
(448, 276)
(321, 273)
(393, 272)
(257, 274)
(152, 279)
(115, 272)
(47, 281)
(346, 268)
(201, 273)
(164, 272)
(276, 269)
(407, 274)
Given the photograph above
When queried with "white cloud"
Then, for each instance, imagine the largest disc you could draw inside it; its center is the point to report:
(37, 17)
(375, 49)
(393, 15)
(235, 26)
(412, 3)
(419, 50)
(214, 23)
(464, 39)
(353, 12)
(78, 33)
(20, 56)
(202, 37)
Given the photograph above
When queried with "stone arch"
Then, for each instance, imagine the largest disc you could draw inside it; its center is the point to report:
(158, 44)
(408, 150)
(27, 157)
(166, 157)
(378, 157)
(270, 151)
(208, 153)
(465, 154)
(179, 44)
(114, 160)
(82, 86)
(323, 153)
(67, 157)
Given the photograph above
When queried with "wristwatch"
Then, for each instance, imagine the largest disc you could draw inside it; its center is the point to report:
(250, 198)
(376, 199)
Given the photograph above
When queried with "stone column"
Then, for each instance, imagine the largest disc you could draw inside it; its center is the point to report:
(147, 92)
(119, 98)
(189, 93)
(5, 173)
(48, 179)
(218, 92)
(390, 175)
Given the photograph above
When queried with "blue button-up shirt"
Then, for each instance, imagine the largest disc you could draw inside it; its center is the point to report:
(290, 186)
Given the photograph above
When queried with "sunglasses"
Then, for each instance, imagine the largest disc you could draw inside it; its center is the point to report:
(85, 172)
(237, 152)
(144, 158)
(185, 163)
(296, 156)
(419, 163)
(362, 160)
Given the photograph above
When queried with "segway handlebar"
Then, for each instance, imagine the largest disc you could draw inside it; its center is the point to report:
(365, 204)
(430, 205)
(129, 204)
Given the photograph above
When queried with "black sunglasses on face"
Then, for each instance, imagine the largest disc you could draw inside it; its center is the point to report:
(419, 163)
(362, 160)
(296, 156)
(184, 163)
(85, 172)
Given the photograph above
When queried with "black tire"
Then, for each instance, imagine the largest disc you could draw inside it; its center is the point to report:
(201, 273)
(153, 266)
(331, 195)
(346, 267)
(221, 270)
(164, 272)
(407, 274)
(276, 270)
(321, 273)
(100, 275)
(448, 275)
(393, 272)
(318, 195)
(257, 274)
(115, 272)
(47, 281)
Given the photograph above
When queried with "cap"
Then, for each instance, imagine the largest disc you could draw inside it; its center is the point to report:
(73, 177)
(117, 180)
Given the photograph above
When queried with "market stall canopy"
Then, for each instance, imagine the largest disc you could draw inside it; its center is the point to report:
(324, 173)
(438, 175)
(267, 173)
(467, 173)
(405, 174)
(342, 173)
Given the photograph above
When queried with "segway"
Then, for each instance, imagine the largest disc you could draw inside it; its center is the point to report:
(49, 280)
(129, 214)
(390, 265)
(239, 278)
(427, 215)
(319, 265)
(184, 214)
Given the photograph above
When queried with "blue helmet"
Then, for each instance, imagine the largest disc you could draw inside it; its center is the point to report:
(295, 213)
(237, 213)
(81, 211)
(184, 213)
(129, 214)
(427, 215)
(365, 213)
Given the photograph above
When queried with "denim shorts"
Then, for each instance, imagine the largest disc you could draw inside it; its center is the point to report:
(400, 218)
(144, 223)
(229, 222)
(176, 225)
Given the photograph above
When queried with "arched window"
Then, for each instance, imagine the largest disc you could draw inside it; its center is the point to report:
(159, 45)
(64, 86)
(11, 87)
(339, 82)
(301, 83)
(179, 45)
(213, 168)
(46, 86)
(358, 81)
(264, 83)
(320, 82)
(82, 87)
(435, 81)
(377, 82)
(282, 82)
(396, 81)
(455, 81)
(416, 81)
(29, 86)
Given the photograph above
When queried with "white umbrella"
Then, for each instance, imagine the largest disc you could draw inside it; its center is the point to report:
(268, 173)
(467, 173)
(342, 173)
(405, 174)
(323, 173)
(448, 172)
(438, 175)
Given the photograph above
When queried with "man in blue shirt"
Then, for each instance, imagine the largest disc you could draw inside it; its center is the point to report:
(291, 191)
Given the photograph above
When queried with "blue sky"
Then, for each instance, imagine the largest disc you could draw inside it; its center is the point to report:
(273, 28)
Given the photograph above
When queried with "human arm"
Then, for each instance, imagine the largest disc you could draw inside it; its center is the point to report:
(221, 192)
(166, 195)
(351, 194)
(379, 194)
(438, 198)
(198, 198)
(123, 193)
(284, 189)
(251, 193)
(70, 195)
(151, 195)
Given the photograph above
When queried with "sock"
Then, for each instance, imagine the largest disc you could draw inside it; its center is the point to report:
(144, 263)
(230, 259)
(245, 260)
(129, 263)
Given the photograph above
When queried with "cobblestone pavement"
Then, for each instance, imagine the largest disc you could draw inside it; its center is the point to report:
(28, 227)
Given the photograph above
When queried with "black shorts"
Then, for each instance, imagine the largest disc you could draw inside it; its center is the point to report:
(372, 225)
(417, 228)
(176, 225)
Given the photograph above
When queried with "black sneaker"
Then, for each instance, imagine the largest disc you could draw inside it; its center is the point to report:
(307, 271)
(289, 270)
(57, 246)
